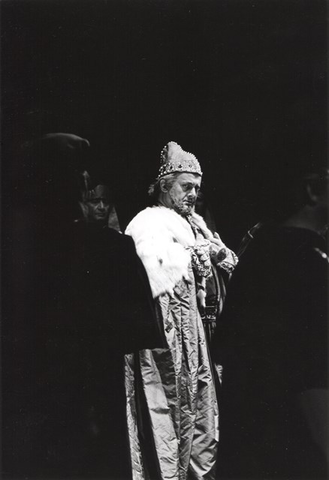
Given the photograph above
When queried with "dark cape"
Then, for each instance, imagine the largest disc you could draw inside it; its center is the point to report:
(87, 302)
(272, 342)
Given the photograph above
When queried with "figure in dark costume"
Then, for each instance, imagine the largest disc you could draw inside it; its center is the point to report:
(89, 304)
(272, 342)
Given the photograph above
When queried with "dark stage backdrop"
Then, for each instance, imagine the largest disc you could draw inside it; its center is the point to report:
(240, 83)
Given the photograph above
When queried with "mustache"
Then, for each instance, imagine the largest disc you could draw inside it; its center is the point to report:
(184, 207)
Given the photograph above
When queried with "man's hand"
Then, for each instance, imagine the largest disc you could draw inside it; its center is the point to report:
(218, 250)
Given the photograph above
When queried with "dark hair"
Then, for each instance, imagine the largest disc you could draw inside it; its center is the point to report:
(317, 181)
(294, 193)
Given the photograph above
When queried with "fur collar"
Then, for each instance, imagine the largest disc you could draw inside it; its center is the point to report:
(162, 238)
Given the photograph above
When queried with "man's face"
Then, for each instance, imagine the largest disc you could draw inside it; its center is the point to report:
(184, 192)
(97, 204)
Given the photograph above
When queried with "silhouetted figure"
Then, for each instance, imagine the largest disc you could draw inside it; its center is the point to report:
(272, 342)
(89, 304)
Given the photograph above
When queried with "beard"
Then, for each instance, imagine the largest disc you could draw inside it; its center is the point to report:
(181, 207)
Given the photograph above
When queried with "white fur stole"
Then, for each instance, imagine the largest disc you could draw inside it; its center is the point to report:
(162, 237)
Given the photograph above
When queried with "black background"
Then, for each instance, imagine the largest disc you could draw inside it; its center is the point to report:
(240, 83)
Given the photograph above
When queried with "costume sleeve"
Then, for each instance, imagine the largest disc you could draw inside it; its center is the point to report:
(143, 329)
(301, 329)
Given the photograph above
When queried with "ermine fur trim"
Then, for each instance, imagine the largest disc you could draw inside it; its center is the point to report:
(162, 238)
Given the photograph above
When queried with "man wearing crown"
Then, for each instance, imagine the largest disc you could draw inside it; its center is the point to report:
(172, 406)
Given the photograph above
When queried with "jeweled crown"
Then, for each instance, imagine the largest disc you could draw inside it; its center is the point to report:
(174, 159)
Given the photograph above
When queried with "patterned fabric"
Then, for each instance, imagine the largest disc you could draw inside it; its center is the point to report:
(200, 258)
(171, 399)
(177, 386)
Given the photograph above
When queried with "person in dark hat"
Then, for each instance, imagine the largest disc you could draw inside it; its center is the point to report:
(272, 342)
(97, 203)
(89, 304)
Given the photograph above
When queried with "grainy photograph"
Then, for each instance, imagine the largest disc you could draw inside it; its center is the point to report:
(164, 268)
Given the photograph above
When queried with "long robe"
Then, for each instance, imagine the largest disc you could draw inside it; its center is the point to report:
(65, 393)
(172, 408)
(272, 342)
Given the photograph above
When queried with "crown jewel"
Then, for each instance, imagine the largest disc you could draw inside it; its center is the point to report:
(174, 159)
